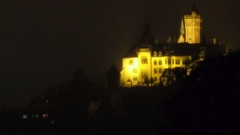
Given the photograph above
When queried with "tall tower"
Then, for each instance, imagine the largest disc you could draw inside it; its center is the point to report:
(192, 23)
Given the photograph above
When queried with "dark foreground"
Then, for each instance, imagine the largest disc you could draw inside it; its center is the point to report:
(207, 102)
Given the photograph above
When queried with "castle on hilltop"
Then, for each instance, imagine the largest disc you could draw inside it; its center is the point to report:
(149, 61)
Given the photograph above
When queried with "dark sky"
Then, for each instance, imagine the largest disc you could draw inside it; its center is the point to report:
(44, 41)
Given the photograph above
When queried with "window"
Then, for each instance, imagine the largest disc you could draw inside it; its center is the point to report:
(144, 74)
(155, 62)
(131, 62)
(155, 79)
(177, 61)
(134, 70)
(160, 62)
(24, 116)
(144, 60)
(45, 115)
(172, 61)
(160, 70)
(169, 61)
(165, 61)
(155, 71)
(160, 53)
(134, 78)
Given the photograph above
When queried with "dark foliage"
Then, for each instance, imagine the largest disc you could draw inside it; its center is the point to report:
(209, 101)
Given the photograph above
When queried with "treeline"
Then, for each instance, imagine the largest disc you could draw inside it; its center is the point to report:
(209, 102)
(206, 102)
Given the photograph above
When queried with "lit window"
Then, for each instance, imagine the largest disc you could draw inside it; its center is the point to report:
(45, 115)
(134, 70)
(155, 71)
(155, 62)
(160, 62)
(131, 62)
(24, 116)
(144, 60)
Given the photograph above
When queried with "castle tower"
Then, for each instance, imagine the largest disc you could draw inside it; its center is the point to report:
(192, 23)
(144, 54)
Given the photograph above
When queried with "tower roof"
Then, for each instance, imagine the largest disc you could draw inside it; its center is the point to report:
(182, 29)
(147, 37)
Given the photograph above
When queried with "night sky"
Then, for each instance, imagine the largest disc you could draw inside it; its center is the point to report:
(44, 41)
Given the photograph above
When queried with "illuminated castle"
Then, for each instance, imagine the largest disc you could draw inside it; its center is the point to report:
(148, 61)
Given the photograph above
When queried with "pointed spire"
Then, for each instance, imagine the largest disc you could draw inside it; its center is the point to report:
(147, 37)
(146, 31)
(182, 32)
(194, 7)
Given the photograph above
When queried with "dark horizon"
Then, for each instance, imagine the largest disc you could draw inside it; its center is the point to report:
(44, 42)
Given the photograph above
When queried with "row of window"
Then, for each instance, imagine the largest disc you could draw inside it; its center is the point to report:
(154, 78)
(35, 116)
(144, 60)
(155, 71)
(167, 61)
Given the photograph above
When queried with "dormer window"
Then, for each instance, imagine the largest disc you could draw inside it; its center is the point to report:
(155, 53)
(155, 62)
(160, 62)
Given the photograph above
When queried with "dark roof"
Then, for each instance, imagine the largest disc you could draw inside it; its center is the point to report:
(185, 49)
(177, 49)
(181, 49)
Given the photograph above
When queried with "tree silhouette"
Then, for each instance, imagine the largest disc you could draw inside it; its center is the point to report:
(146, 81)
(151, 81)
(209, 99)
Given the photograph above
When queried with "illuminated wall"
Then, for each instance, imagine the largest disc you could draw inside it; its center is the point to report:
(148, 64)
(129, 71)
